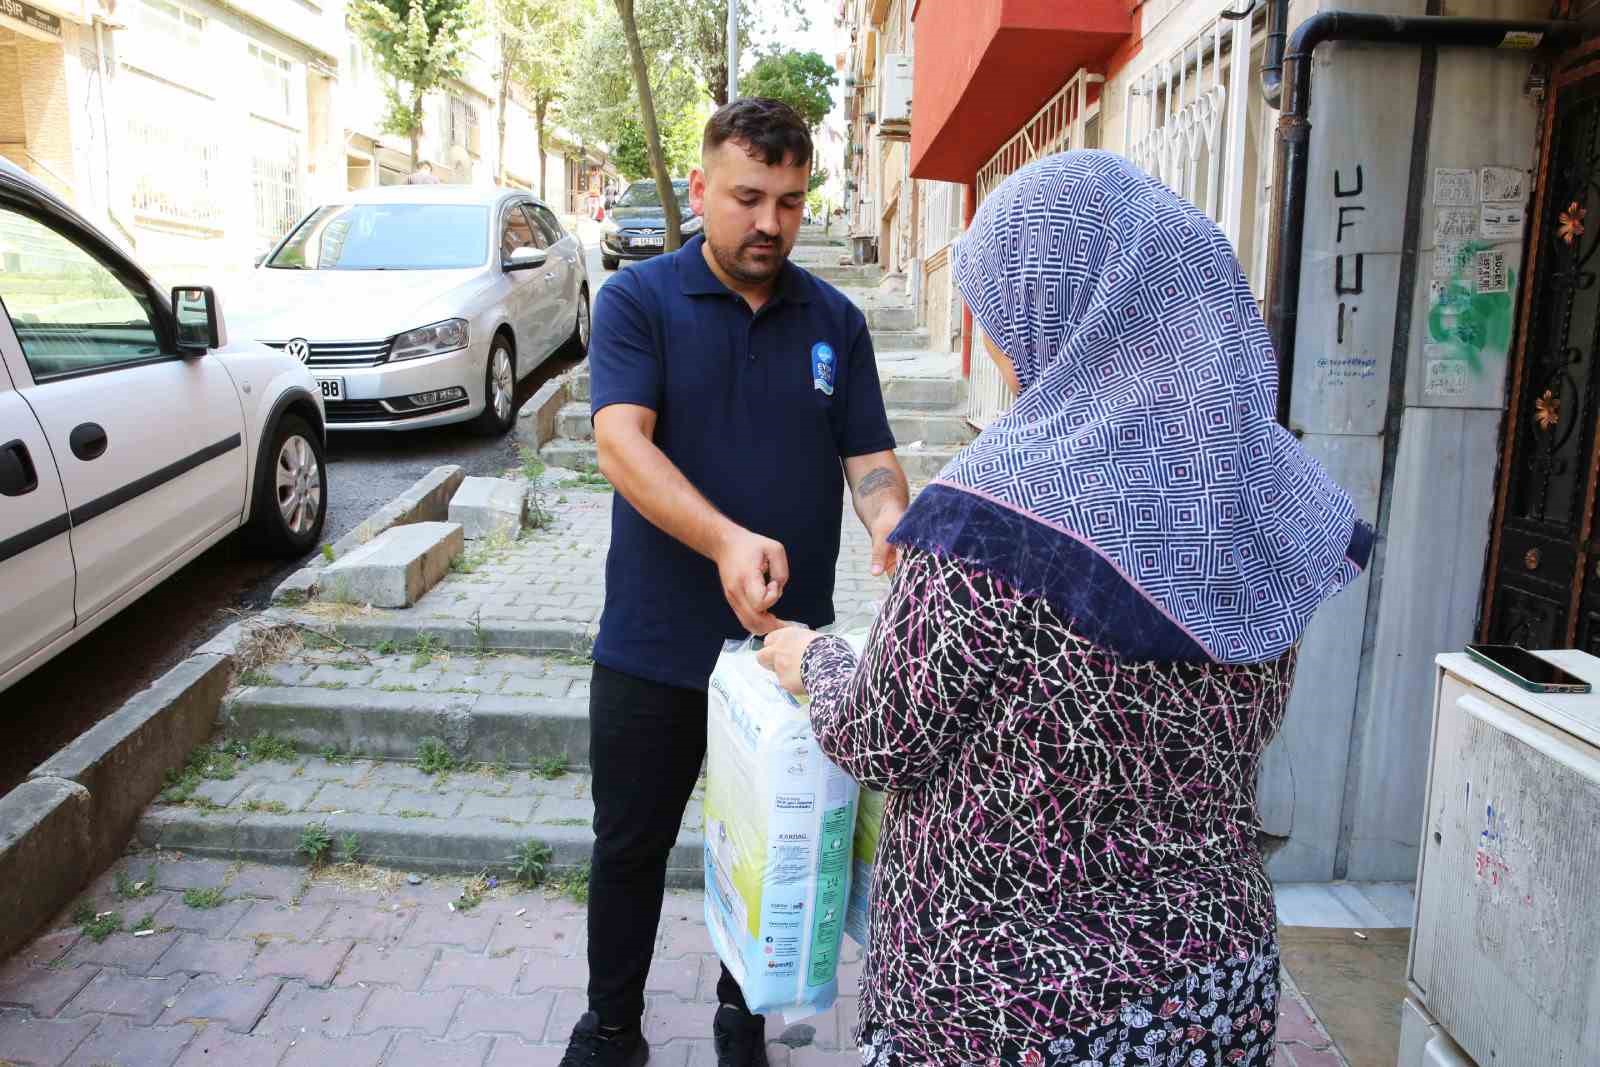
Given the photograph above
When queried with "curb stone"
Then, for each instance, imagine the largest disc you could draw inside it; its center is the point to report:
(45, 855)
(428, 500)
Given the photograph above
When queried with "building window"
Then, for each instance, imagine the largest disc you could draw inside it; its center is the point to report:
(275, 166)
(165, 17)
(174, 155)
(462, 119)
(274, 92)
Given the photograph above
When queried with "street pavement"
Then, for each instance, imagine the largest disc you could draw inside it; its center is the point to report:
(283, 967)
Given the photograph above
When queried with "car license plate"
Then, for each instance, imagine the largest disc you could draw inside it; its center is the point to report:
(332, 388)
(648, 242)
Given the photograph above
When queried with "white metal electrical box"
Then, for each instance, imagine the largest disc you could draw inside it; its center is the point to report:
(1505, 956)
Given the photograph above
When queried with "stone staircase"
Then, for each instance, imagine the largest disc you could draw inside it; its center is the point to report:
(923, 390)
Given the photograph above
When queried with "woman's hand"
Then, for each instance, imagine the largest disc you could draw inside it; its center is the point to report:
(782, 652)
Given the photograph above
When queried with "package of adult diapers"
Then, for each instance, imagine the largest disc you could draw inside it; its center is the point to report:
(779, 826)
(864, 856)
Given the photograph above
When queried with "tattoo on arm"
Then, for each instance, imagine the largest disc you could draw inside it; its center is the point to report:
(875, 481)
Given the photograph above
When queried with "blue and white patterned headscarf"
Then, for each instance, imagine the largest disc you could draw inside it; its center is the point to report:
(1140, 483)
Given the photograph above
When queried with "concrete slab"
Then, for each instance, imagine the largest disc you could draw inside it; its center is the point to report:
(45, 854)
(123, 758)
(489, 507)
(395, 569)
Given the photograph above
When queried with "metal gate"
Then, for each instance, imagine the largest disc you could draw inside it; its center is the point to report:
(1543, 587)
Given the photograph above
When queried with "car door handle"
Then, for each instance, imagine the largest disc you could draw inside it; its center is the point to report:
(17, 474)
(88, 441)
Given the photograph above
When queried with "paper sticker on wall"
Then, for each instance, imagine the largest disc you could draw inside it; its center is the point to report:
(1503, 222)
(1455, 224)
(1446, 376)
(1503, 184)
(1492, 273)
(1455, 187)
(1449, 258)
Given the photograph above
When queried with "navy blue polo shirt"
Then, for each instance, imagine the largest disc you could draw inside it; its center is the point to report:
(758, 411)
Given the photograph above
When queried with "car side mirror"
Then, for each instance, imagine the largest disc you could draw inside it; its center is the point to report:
(525, 258)
(198, 314)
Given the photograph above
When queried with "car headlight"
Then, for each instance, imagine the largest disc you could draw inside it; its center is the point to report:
(608, 228)
(446, 336)
(692, 224)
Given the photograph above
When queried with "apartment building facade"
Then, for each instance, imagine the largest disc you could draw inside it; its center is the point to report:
(1441, 352)
(198, 132)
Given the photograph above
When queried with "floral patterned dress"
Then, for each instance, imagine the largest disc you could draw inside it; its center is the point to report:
(1067, 872)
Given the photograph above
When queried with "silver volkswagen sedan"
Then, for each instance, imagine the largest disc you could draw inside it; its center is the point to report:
(420, 305)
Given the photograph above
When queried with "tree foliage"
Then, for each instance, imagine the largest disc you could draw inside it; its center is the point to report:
(602, 104)
(697, 32)
(420, 45)
(539, 42)
(803, 80)
(647, 112)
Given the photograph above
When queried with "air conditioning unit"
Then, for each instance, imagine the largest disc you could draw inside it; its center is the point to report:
(894, 89)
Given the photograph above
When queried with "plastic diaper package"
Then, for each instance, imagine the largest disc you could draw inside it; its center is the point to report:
(779, 828)
(864, 855)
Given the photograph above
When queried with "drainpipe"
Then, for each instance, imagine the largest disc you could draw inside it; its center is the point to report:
(1272, 58)
(1294, 132)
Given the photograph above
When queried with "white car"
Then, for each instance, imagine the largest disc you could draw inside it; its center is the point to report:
(133, 436)
(419, 305)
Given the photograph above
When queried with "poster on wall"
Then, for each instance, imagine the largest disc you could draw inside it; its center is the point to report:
(1502, 222)
(1457, 188)
(1500, 184)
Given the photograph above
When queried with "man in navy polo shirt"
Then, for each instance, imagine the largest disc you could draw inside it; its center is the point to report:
(735, 395)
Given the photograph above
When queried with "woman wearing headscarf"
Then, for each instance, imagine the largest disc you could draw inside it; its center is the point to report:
(1089, 642)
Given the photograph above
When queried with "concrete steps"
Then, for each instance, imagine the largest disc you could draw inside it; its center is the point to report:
(463, 822)
(900, 340)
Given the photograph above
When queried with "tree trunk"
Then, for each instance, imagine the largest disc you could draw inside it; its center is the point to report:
(416, 127)
(652, 133)
(500, 121)
(540, 106)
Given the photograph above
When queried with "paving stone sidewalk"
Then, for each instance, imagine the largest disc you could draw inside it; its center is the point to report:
(526, 593)
(359, 968)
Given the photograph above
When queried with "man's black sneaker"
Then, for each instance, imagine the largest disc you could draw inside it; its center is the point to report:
(741, 1038)
(592, 1047)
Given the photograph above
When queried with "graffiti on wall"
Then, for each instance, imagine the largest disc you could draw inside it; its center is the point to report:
(1470, 298)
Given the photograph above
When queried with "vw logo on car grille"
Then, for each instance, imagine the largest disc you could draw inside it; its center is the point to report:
(299, 348)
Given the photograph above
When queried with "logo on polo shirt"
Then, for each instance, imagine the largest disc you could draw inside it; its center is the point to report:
(822, 367)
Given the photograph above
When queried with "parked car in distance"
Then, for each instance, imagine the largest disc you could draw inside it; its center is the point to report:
(420, 305)
(636, 226)
(133, 434)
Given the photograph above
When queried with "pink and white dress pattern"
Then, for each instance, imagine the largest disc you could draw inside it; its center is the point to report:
(1068, 870)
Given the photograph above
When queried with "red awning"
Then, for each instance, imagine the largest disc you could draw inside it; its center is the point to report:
(983, 67)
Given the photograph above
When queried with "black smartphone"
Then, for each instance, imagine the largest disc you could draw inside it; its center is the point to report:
(1533, 673)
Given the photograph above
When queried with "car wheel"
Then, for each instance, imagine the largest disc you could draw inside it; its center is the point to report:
(499, 391)
(610, 262)
(577, 345)
(291, 499)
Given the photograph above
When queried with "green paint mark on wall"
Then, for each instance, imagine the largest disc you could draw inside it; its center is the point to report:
(1467, 324)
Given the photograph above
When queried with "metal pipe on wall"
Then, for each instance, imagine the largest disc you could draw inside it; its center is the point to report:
(1294, 131)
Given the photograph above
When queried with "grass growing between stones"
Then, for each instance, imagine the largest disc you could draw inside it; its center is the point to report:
(349, 850)
(205, 899)
(127, 889)
(435, 757)
(530, 863)
(574, 884)
(427, 648)
(549, 767)
(315, 843)
(271, 807)
(97, 926)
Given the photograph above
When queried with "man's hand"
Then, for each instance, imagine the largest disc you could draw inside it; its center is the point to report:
(754, 570)
(782, 652)
(885, 557)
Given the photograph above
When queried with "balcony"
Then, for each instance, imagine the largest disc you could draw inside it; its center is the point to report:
(983, 67)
